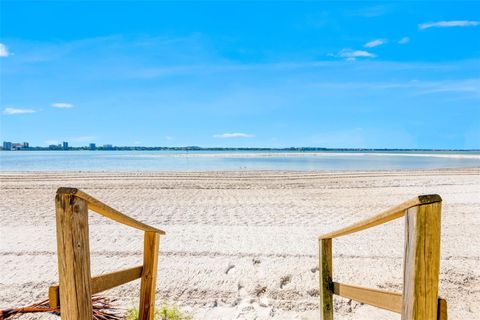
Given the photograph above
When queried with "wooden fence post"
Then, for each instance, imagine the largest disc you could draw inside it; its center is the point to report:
(422, 262)
(73, 257)
(442, 309)
(326, 282)
(149, 276)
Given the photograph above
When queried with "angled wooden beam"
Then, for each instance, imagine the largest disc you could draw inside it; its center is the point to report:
(107, 211)
(388, 215)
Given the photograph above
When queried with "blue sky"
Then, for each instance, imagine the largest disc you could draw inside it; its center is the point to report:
(274, 74)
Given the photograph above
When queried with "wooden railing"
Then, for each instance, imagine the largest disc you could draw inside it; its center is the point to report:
(419, 299)
(76, 286)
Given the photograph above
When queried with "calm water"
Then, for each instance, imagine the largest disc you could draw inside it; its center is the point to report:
(241, 160)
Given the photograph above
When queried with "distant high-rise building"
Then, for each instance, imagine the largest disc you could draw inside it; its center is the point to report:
(92, 146)
(7, 145)
(107, 147)
(17, 146)
(65, 145)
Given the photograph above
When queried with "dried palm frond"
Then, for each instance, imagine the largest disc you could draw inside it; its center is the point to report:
(102, 309)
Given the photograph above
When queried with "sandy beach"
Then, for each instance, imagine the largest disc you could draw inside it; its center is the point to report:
(243, 245)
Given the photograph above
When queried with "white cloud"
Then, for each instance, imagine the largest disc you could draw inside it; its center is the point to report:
(169, 138)
(11, 111)
(4, 50)
(447, 24)
(375, 43)
(234, 135)
(350, 54)
(62, 105)
(404, 40)
(49, 142)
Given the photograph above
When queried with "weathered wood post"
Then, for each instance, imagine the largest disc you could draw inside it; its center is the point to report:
(149, 276)
(422, 261)
(326, 279)
(73, 257)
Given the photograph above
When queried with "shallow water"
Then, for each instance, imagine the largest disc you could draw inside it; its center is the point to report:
(230, 160)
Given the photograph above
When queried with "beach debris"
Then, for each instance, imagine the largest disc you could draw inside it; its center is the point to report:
(229, 268)
(103, 309)
(285, 280)
(259, 290)
(313, 292)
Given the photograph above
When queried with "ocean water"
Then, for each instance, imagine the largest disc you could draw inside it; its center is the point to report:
(230, 160)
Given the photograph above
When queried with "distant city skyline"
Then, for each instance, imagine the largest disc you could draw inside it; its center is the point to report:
(241, 74)
(64, 146)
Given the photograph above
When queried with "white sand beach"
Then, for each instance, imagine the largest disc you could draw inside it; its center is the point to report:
(243, 245)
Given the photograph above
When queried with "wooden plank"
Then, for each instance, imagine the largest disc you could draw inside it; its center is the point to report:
(115, 279)
(101, 283)
(73, 257)
(108, 211)
(54, 296)
(326, 276)
(442, 309)
(379, 298)
(149, 276)
(388, 215)
(422, 262)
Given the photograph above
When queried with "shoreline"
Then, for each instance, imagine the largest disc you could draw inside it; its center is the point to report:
(473, 169)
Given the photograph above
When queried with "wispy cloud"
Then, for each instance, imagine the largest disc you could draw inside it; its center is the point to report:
(169, 138)
(448, 24)
(350, 54)
(49, 142)
(4, 50)
(233, 135)
(465, 88)
(375, 43)
(62, 105)
(404, 40)
(12, 111)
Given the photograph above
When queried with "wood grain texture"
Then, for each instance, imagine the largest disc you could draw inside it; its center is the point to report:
(73, 257)
(108, 211)
(101, 283)
(422, 262)
(326, 283)
(115, 279)
(149, 276)
(388, 215)
(54, 296)
(379, 298)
